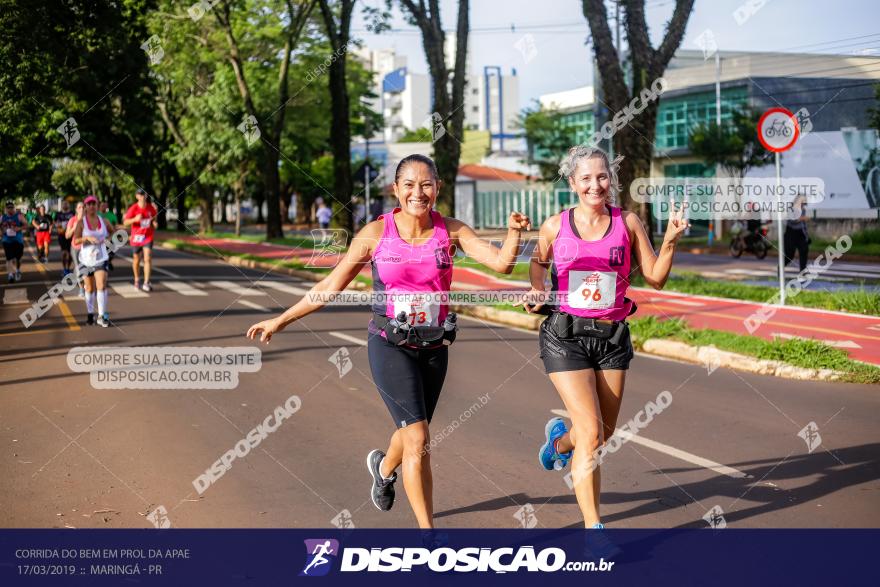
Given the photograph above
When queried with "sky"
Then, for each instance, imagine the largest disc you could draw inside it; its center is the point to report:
(561, 60)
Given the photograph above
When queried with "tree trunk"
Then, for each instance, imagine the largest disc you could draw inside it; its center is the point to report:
(296, 21)
(239, 188)
(206, 205)
(340, 127)
(448, 115)
(180, 184)
(635, 141)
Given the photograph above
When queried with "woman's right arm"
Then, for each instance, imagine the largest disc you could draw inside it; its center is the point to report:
(78, 239)
(359, 253)
(540, 262)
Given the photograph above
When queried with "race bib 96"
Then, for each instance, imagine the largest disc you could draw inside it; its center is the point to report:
(592, 290)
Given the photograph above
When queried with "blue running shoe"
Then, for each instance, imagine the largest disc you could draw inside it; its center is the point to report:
(547, 455)
(598, 545)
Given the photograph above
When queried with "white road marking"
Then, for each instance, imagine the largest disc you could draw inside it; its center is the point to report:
(236, 289)
(825, 275)
(15, 295)
(277, 285)
(184, 288)
(842, 344)
(152, 268)
(127, 290)
(652, 291)
(671, 300)
(349, 338)
(672, 451)
(874, 327)
(253, 306)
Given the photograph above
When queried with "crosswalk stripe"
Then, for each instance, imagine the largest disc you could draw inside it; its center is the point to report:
(15, 295)
(348, 337)
(277, 285)
(184, 288)
(127, 290)
(253, 306)
(236, 289)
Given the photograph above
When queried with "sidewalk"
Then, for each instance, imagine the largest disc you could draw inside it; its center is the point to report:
(858, 335)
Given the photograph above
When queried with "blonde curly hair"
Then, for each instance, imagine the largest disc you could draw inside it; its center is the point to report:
(575, 154)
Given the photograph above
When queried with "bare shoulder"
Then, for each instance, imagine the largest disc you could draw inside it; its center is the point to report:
(632, 220)
(551, 226)
(454, 225)
(372, 230)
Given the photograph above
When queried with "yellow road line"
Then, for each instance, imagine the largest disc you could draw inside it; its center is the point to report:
(62, 305)
(68, 315)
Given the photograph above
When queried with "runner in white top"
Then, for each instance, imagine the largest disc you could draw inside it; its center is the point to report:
(91, 233)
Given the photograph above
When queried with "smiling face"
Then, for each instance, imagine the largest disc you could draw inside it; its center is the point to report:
(591, 181)
(416, 189)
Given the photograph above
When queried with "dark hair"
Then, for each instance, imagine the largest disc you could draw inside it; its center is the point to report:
(409, 159)
(141, 192)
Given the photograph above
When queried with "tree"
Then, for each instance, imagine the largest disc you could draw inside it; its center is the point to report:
(76, 59)
(733, 146)
(548, 138)
(419, 135)
(338, 30)
(448, 105)
(635, 140)
(236, 24)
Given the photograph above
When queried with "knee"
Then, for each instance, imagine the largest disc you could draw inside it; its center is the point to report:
(415, 442)
(587, 437)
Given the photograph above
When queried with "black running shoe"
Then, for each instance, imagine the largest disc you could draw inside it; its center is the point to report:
(382, 490)
(90, 319)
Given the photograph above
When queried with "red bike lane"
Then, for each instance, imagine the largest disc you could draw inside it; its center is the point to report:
(856, 334)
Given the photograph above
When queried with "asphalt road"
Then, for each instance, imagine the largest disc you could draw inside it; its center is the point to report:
(83, 457)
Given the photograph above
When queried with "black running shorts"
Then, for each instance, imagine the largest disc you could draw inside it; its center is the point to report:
(139, 249)
(13, 250)
(409, 380)
(583, 352)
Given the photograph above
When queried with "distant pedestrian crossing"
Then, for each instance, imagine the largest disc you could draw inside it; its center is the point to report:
(28, 293)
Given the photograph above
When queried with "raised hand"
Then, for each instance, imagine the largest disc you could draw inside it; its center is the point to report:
(676, 226)
(518, 221)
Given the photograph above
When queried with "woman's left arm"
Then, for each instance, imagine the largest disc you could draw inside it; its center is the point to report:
(655, 268)
(501, 260)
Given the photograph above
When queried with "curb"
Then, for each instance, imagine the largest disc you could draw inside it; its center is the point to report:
(709, 356)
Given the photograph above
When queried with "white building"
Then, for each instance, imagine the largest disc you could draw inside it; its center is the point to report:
(491, 99)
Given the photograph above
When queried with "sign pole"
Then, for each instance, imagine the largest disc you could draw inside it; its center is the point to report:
(779, 229)
(778, 131)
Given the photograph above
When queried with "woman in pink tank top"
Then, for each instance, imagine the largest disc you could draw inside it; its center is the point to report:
(410, 250)
(584, 342)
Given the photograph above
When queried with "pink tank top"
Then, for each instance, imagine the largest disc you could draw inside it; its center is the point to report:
(592, 276)
(399, 267)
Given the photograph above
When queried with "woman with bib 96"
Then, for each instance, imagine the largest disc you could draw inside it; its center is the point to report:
(584, 342)
(411, 251)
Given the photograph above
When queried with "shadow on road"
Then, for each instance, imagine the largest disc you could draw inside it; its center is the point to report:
(827, 474)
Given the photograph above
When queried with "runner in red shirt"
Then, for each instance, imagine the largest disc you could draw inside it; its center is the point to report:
(141, 217)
